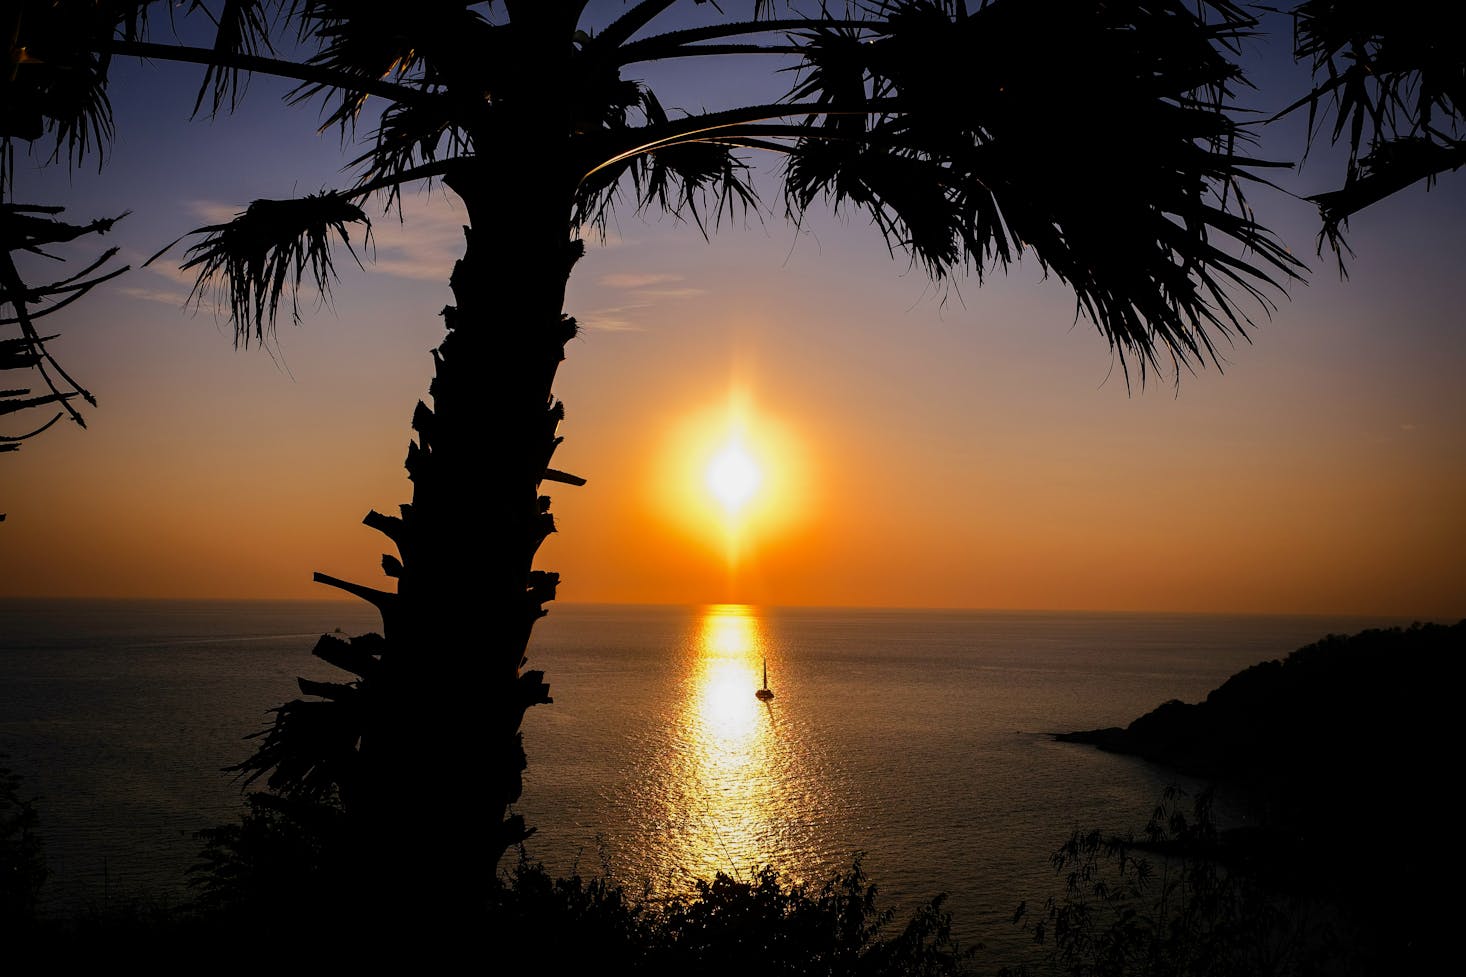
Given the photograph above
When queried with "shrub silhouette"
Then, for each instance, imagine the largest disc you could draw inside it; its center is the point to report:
(1182, 900)
(284, 874)
(22, 858)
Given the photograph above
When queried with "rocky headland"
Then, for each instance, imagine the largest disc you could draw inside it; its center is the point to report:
(1344, 752)
(1367, 713)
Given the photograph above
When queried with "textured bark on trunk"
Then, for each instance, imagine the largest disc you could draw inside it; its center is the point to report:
(440, 754)
(429, 783)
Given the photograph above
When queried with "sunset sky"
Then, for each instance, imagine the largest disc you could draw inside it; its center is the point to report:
(918, 445)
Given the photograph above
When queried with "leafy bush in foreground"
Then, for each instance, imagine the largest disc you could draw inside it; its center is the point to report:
(22, 863)
(286, 872)
(1185, 900)
(764, 925)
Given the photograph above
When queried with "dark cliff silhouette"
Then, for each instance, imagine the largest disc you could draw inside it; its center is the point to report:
(1345, 751)
(1373, 708)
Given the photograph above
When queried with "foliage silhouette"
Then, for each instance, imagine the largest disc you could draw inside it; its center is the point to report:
(55, 90)
(1181, 901)
(779, 927)
(1393, 76)
(22, 857)
(282, 859)
(282, 876)
(33, 229)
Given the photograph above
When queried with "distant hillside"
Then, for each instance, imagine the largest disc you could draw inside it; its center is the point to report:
(1355, 726)
(1347, 753)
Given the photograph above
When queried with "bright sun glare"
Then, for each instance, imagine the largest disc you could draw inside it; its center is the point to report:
(736, 477)
(733, 477)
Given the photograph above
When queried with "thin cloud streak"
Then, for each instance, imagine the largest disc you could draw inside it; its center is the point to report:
(214, 211)
(634, 280)
(427, 239)
(162, 296)
(620, 318)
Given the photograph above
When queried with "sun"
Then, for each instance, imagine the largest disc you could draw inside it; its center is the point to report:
(733, 476)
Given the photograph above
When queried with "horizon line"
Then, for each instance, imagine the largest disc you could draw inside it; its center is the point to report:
(1352, 613)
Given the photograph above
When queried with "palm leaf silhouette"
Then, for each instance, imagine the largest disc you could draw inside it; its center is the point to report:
(267, 250)
(1393, 78)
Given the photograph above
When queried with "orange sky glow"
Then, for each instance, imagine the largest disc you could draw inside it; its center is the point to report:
(915, 445)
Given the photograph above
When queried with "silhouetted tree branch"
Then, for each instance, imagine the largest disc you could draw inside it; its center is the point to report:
(1392, 77)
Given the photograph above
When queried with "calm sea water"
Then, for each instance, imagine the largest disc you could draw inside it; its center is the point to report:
(916, 737)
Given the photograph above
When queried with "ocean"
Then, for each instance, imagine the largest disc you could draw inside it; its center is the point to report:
(918, 738)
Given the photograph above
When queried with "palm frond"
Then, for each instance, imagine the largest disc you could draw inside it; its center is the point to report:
(1393, 77)
(31, 228)
(1385, 71)
(735, 36)
(242, 27)
(705, 180)
(701, 178)
(312, 747)
(253, 259)
(640, 14)
(443, 43)
(80, 113)
(54, 80)
(411, 135)
(1391, 166)
(680, 176)
(1095, 136)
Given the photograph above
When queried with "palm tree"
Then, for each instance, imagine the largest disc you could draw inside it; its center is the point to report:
(1096, 138)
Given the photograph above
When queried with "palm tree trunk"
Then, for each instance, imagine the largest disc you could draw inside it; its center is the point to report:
(441, 758)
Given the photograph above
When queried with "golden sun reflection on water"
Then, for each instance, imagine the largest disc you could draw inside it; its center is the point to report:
(726, 713)
(737, 796)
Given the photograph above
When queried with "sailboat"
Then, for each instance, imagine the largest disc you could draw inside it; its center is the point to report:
(765, 694)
